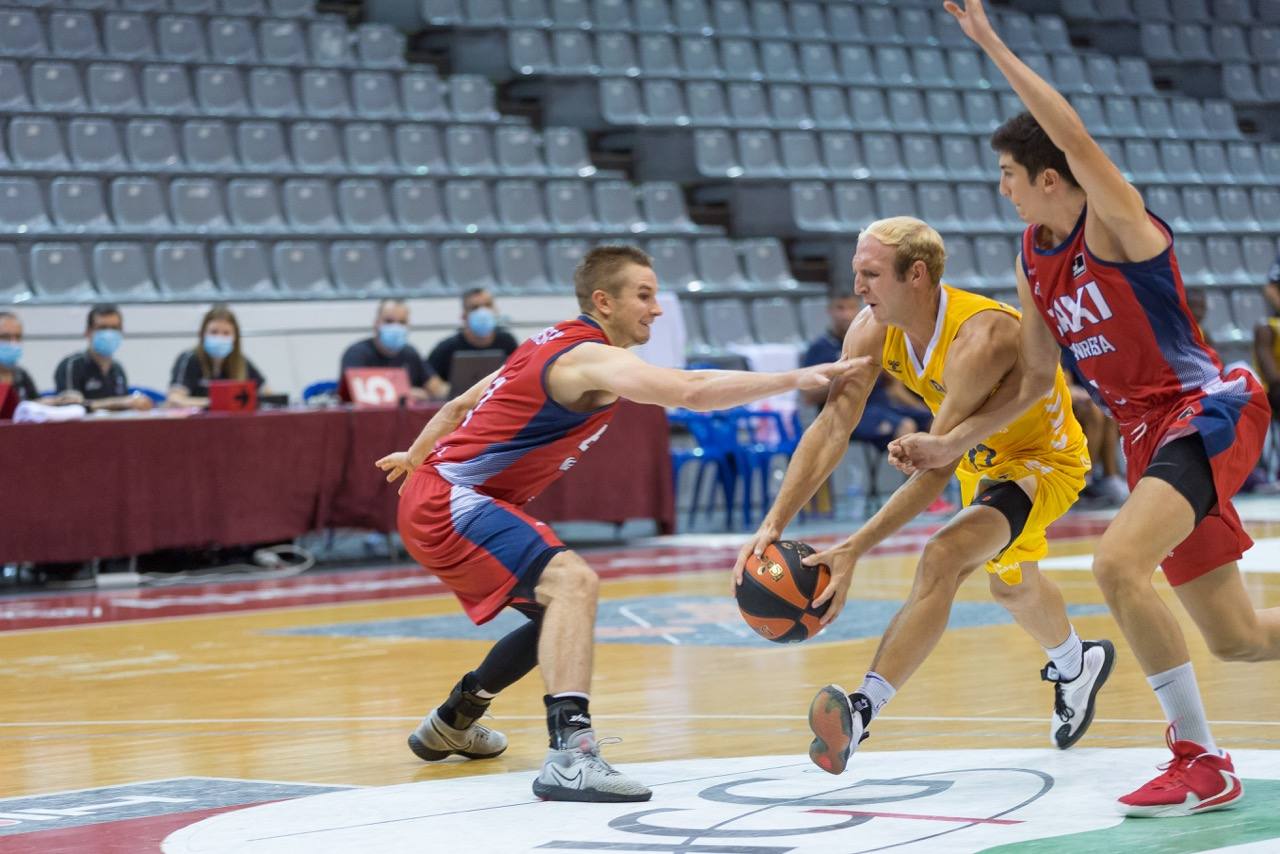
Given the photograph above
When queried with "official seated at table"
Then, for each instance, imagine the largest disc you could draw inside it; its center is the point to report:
(216, 356)
(11, 373)
(480, 331)
(94, 373)
(390, 348)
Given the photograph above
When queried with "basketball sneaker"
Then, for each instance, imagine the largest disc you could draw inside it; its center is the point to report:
(1073, 702)
(837, 726)
(1194, 781)
(579, 773)
(434, 740)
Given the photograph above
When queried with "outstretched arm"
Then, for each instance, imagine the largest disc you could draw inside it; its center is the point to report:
(1111, 197)
(444, 422)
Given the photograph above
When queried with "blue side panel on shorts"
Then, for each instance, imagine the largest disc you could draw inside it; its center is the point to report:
(511, 539)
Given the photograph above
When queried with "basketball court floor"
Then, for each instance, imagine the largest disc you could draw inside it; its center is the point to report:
(272, 717)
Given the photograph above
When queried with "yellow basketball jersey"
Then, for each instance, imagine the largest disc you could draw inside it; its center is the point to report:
(1048, 431)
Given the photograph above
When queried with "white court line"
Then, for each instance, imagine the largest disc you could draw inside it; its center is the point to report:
(645, 624)
(1264, 557)
(641, 717)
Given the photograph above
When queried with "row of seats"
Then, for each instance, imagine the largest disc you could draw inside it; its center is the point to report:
(318, 206)
(220, 90)
(204, 145)
(763, 154)
(899, 23)
(185, 38)
(577, 53)
(1188, 11)
(249, 8)
(245, 268)
(1199, 43)
(780, 105)
(1247, 84)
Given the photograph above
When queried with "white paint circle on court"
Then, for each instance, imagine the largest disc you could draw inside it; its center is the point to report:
(912, 802)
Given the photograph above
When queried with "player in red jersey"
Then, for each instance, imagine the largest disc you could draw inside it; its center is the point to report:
(1098, 277)
(499, 444)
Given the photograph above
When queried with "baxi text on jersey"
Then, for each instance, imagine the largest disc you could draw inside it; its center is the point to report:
(1095, 345)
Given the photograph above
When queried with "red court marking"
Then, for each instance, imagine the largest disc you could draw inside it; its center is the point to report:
(954, 818)
(126, 836)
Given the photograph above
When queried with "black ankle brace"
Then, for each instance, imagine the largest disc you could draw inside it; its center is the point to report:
(565, 716)
(862, 707)
(464, 707)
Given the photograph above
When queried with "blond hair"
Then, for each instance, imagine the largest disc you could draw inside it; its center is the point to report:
(914, 240)
(598, 271)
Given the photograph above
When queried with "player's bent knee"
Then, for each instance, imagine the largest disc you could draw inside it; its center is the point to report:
(943, 562)
(1237, 646)
(1116, 572)
(1009, 595)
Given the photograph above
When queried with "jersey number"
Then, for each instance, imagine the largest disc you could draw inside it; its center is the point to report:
(488, 393)
(981, 449)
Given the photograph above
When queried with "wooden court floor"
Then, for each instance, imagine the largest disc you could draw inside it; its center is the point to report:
(281, 694)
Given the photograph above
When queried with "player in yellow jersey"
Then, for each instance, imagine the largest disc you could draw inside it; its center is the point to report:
(953, 348)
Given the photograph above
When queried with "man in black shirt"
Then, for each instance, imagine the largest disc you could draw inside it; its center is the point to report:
(479, 332)
(94, 374)
(389, 348)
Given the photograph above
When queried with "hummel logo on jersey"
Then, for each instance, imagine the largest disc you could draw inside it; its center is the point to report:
(1077, 266)
(894, 365)
(1073, 312)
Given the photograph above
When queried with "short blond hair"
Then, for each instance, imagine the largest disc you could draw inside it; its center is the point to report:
(598, 271)
(914, 240)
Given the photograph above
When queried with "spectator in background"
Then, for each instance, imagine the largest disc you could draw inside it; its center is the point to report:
(389, 348)
(94, 374)
(479, 331)
(11, 373)
(216, 356)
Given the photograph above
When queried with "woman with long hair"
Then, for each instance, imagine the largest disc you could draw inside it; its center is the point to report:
(216, 356)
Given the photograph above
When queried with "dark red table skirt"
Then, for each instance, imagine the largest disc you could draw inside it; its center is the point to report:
(109, 488)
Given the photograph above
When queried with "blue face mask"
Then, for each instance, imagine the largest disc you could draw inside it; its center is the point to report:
(482, 322)
(393, 336)
(10, 353)
(218, 346)
(105, 342)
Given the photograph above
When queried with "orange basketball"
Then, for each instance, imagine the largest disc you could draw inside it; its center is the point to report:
(777, 592)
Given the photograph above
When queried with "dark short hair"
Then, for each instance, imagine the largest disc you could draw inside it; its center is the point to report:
(102, 309)
(469, 293)
(598, 271)
(1022, 138)
(839, 292)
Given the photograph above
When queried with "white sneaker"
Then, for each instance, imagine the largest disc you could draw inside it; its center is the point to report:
(579, 773)
(434, 740)
(1073, 702)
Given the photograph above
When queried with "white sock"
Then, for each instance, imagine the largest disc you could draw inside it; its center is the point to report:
(1180, 698)
(878, 690)
(1068, 656)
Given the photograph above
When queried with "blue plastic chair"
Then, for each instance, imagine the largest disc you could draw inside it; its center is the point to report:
(316, 389)
(156, 397)
(712, 455)
(758, 437)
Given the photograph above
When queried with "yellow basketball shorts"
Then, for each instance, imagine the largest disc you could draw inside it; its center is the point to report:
(1059, 478)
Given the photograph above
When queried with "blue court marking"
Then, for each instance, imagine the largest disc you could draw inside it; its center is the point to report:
(682, 620)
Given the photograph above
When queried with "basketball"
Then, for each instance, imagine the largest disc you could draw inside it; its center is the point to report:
(777, 592)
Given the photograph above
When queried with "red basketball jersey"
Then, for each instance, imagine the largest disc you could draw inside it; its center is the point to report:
(1125, 327)
(517, 440)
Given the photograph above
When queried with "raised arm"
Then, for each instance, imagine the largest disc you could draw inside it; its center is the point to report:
(983, 354)
(599, 368)
(1029, 379)
(1112, 199)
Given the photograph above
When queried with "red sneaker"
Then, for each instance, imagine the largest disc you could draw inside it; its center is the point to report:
(1193, 782)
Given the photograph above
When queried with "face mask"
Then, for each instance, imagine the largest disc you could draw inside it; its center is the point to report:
(218, 346)
(482, 322)
(106, 342)
(393, 336)
(10, 353)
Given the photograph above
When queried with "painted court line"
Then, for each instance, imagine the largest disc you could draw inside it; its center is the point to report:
(959, 819)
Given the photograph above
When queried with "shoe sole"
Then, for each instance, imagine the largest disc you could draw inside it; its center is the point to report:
(831, 721)
(1175, 810)
(1108, 661)
(593, 796)
(426, 754)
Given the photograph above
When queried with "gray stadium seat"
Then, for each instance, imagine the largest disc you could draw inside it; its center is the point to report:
(55, 86)
(417, 205)
(1266, 207)
(121, 270)
(152, 144)
(113, 88)
(14, 286)
(59, 270)
(747, 105)
(290, 8)
(718, 265)
(652, 15)
(465, 264)
(811, 206)
(894, 198)
(519, 205)
(309, 205)
(220, 91)
(363, 205)
(412, 267)
(137, 204)
(166, 89)
(282, 42)
(1259, 254)
(315, 147)
(13, 89)
(330, 43)
(855, 205)
(842, 156)
(960, 157)
(94, 144)
(36, 143)
(77, 204)
(881, 155)
(663, 206)
(207, 146)
(262, 147)
(418, 149)
(869, 110)
(23, 209)
(568, 207)
(380, 46)
(726, 323)
(193, 7)
(967, 70)
(519, 267)
(529, 52)
(272, 92)
(658, 56)
(181, 38)
(357, 267)
(730, 17)
(368, 148)
(469, 206)
(739, 61)
(940, 203)
(616, 208)
(182, 269)
(1225, 262)
(961, 269)
(197, 204)
(563, 257)
(73, 34)
(241, 268)
(254, 205)
(231, 40)
(517, 151)
(978, 207)
(766, 264)
(375, 95)
(571, 52)
(1192, 261)
(830, 108)
(818, 63)
(21, 34)
(698, 58)
(128, 36)
(995, 259)
(673, 265)
(469, 151)
(775, 322)
(471, 98)
(800, 157)
(705, 99)
(788, 106)
(664, 102)
(300, 267)
(758, 154)
(691, 16)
